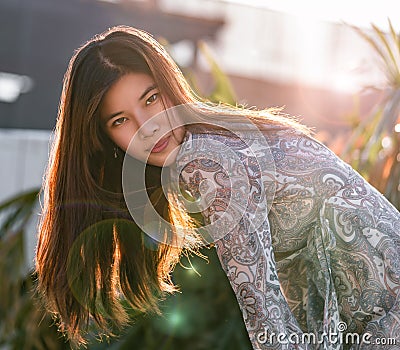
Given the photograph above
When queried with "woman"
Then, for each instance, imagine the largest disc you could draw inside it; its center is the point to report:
(307, 244)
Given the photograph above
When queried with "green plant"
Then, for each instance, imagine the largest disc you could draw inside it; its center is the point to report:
(222, 90)
(24, 323)
(374, 147)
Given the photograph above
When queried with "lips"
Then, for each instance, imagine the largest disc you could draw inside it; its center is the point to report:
(160, 145)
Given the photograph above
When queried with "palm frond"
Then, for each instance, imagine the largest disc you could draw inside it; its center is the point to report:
(223, 89)
(378, 162)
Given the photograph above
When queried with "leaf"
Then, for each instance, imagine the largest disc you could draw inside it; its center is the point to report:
(17, 211)
(395, 37)
(388, 56)
(381, 166)
(223, 90)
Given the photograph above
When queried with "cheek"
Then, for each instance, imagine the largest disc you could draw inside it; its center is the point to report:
(121, 138)
(179, 135)
(181, 131)
(136, 149)
(134, 153)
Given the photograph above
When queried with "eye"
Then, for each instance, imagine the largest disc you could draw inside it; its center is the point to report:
(151, 99)
(118, 121)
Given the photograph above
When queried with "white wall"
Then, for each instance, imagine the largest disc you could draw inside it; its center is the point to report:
(23, 159)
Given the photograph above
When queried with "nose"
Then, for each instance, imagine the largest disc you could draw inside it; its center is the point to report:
(148, 126)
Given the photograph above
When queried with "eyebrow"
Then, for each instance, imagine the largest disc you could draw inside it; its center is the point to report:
(145, 92)
(152, 87)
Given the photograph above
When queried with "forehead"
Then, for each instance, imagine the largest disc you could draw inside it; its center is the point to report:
(126, 91)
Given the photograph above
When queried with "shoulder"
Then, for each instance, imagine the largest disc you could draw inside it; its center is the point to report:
(290, 146)
(286, 146)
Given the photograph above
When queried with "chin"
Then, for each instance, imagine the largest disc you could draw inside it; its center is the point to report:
(161, 163)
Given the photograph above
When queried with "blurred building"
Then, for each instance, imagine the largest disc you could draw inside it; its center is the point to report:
(282, 55)
(38, 37)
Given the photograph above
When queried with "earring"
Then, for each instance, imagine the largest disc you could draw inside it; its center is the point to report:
(115, 152)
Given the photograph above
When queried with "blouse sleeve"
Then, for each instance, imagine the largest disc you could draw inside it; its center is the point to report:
(225, 181)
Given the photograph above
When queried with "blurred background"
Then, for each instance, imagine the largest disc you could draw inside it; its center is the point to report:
(335, 65)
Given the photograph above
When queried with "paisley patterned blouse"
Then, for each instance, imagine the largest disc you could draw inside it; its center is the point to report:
(311, 250)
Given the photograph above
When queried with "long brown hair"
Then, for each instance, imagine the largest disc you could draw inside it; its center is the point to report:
(90, 252)
(89, 249)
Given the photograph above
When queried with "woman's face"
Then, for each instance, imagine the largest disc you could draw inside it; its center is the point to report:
(127, 109)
